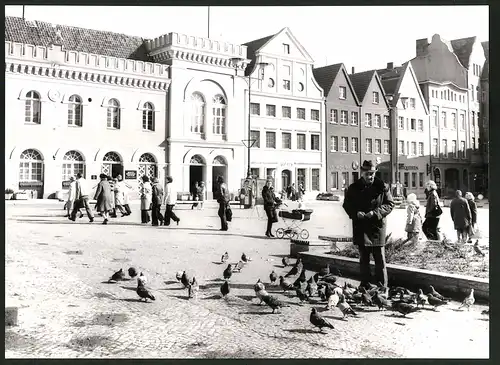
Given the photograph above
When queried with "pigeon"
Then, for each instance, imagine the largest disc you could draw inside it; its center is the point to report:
(434, 301)
(185, 279)
(273, 277)
(318, 321)
(365, 297)
(117, 276)
(469, 300)
(142, 279)
(380, 302)
(324, 270)
(344, 307)
(224, 257)
(422, 299)
(301, 278)
(273, 302)
(143, 292)
(296, 269)
(224, 288)
(178, 275)
(259, 285)
(260, 290)
(486, 312)
(228, 272)
(381, 288)
(132, 272)
(478, 250)
(285, 284)
(333, 300)
(328, 290)
(245, 258)
(239, 266)
(435, 294)
(404, 308)
(285, 261)
(312, 287)
(322, 292)
(330, 278)
(193, 289)
(301, 294)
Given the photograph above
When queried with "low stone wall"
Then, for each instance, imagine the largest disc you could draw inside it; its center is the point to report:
(453, 285)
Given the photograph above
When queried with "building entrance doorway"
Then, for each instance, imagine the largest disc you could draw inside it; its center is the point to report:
(286, 178)
(219, 169)
(112, 164)
(196, 171)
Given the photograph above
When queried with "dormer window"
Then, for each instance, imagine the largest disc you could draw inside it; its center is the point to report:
(286, 48)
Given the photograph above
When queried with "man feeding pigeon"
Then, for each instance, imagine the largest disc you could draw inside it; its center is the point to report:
(368, 202)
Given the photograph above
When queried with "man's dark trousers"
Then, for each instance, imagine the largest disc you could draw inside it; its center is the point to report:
(156, 214)
(169, 213)
(222, 215)
(378, 253)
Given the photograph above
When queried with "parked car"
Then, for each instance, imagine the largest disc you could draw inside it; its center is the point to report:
(328, 196)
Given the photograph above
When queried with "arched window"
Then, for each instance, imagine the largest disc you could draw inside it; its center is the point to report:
(147, 166)
(113, 114)
(73, 163)
(197, 160)
(31, 166)
(197, 113)
(219, 115)
(111, 164)
(33, 108)
(148, 117)
(75, 110)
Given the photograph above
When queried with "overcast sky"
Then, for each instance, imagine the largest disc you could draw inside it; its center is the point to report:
(363, 37)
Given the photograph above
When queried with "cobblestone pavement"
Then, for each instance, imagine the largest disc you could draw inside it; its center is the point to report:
(56, 272)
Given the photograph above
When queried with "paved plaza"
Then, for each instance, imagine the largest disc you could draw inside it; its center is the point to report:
(56, 273)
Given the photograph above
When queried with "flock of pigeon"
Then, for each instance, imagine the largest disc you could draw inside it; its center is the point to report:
(323, 285)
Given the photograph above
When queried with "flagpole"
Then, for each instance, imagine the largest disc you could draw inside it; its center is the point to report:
(209, 22)
(23, 12)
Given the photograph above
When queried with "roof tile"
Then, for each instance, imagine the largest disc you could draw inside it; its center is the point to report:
(325, 76)
(463, 49)
(252, 48)
(360, 81)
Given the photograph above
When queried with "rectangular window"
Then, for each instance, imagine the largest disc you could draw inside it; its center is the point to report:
(255, 135)
(343, 144)
(435, 118)
(435, 147)
(286, 112)
(334, 180)
(255, 172)
(270, 172)
(386, 121)
(342, 92)
(454, 148)
(378, 146)
(413, 124)
(420, 125)
(420, 179)
(462, 122)
(301, 113)
(315, 179)
(345, 180)
(412, 103)
(414, 148)
(375, 97)
(401, 123)
(301, 141)
(314, 114)
(301, 177)
(368, 145)
(270, 110)
(354, 118)
(334, 144)
(286, 84)
(270, 139)
(286, 48)
(462, 149)
(355, 176)
(315, 142)
(376, 121)
(343, 117)
(254, 108)
(368, 120)
(453, 120)
(472, 92)
(286, 140)
(420, 148)
(386, 147)
(407, 147)
(406, 179)
(443, 120)
(444, 148)
(334, 116)
(401, 148)
(354, 145)
(413, 179)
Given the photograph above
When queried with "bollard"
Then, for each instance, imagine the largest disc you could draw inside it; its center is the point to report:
(10, 316)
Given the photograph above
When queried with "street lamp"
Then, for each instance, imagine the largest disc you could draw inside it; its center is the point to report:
(249, 142)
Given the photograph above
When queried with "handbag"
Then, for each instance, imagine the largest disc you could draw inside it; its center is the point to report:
(229, 214)
(438, 211)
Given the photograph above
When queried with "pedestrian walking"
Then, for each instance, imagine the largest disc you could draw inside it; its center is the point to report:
(473, 214)
(146, 192)
(270, 202)
(170, 200)
(157, 199)
(119, 196)
(111, 181)
(368, 201)
(123, 188)
(293, 192)
(413, 217)
(81, 198)
(194, 193)
(70, 203)
(300, 192)
(222, 196)
(461, 216)
(432, 212)
(105, 197)
(201, 194)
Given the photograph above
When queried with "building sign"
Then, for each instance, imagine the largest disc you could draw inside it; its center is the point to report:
(30, 183)
(130, 174)
(402, 166)
(286, 164)
(65, 184)
(93, 177)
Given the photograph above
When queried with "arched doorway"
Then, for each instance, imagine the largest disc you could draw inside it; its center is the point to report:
(147, 166)
(451, 181)
(31, 173)
(197, 166)
(219, 168)
(73, 163)
(286, 178)
(112, 164)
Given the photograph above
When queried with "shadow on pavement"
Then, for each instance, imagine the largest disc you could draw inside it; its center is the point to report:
(128, 287)
(218, 262)
(96, 222)
(181, 288)
(232, 286)
(302, 330)
(215, 296)
(171, 282)
(281, 256)
(257, 313)
(228, 234)
(130, 300)
(185, 297)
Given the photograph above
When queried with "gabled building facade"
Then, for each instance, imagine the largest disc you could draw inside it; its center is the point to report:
(342, 137)
(410, 127)
(287, 114)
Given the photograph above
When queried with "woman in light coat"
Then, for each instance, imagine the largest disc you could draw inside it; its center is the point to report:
(432, 212)
(146, 191)
(473, 212)
(119, 196)
(104, 197)
(413, 217)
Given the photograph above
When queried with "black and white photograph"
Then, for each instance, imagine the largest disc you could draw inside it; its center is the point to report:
(302, 182)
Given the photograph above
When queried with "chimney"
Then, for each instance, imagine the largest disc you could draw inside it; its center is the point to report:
(422, 45)
(352, 70)
(390, 65)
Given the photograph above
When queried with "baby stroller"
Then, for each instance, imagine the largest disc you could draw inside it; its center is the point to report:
(293, 219)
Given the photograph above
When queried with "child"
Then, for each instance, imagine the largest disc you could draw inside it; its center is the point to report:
(414, 219)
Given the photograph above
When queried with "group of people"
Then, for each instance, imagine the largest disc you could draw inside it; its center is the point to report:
(293, 193)
(152, 198)
(198, 194)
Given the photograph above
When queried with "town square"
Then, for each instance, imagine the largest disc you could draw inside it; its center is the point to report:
(210, 190)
